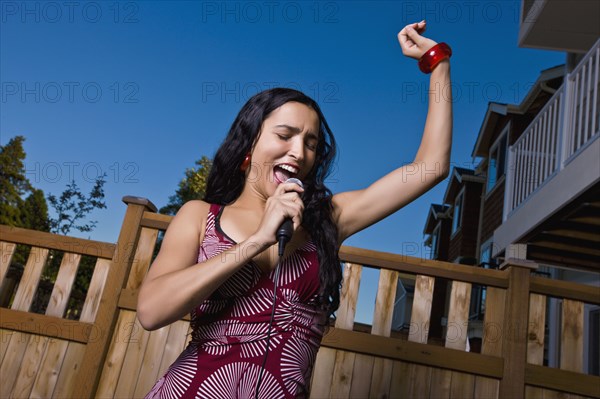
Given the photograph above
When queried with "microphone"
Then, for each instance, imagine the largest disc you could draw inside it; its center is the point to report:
(285, 231)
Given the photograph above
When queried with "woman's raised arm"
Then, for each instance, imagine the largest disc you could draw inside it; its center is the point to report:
(356, 210)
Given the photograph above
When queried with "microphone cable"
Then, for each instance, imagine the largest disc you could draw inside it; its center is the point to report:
(262, 369)
(284, 235)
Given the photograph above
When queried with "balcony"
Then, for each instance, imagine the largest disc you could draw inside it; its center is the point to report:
(562, 25)
(556, 159)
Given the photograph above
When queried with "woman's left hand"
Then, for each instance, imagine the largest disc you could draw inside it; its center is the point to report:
(413, 44)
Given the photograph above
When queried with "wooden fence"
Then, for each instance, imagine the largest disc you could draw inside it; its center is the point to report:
(106, 353)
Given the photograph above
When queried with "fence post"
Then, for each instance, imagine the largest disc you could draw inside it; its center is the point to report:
(516, 319)
(96, 350)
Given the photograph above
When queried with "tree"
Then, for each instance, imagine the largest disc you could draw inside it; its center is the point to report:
(72, 206)
(191, 187)
(34, 213)
(13, 182)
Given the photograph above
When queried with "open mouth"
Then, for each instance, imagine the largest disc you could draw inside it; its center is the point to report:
(282, 172)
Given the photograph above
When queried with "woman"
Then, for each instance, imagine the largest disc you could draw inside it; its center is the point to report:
(219, 256)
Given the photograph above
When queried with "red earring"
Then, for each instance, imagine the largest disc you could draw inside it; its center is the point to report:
(246, 162)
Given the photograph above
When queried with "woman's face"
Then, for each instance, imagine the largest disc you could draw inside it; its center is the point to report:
(286, 146)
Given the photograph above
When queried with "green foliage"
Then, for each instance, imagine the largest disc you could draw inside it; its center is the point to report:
(29, 213)
(191, 187)
(72, 206)
(34, 213)
(13, 183)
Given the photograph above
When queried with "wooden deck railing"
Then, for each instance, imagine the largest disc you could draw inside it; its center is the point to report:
(106, 353)
(568, 122)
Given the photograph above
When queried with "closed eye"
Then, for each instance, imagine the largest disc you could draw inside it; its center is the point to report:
(311, 145)
(312, 141)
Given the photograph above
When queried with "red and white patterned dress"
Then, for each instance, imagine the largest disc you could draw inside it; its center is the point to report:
(226, 352)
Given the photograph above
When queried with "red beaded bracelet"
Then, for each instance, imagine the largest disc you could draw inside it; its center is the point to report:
(434, 56)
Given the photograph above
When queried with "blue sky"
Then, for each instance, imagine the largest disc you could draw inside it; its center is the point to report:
(139, 90)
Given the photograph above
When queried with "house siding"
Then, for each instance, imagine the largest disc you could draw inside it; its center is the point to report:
(444, 240)
(464, 242)
(493, 206)
(493, 202)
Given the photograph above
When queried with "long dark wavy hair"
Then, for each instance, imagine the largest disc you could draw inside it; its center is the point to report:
(226, 181)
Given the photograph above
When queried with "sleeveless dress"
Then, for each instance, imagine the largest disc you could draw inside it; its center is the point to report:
(229, 337)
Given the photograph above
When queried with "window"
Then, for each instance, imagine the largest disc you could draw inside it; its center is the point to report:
(479, 292)
(458, 211)
(485, 255)
(497, 160)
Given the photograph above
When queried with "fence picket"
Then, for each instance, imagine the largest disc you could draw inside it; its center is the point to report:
(123, 334)
(535, 336)
(362, 376)
(462, 384)
(30, 279)
(382, 325)
(63, 285)
(420, 376)
(17, 352)
(50, 367)
(492, 339)
(571, 342)
(150, 367)
(134, 355)
(344, 361)
(4, 340)
(71, 365)
(31, 368)
(400, 386)
(176, 343)
(92, 299)
(7, 250)
(36, 347)
(142, 258)
(323, 373)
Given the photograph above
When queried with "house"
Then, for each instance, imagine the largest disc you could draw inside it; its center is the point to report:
(539, 172)
(552, 189)
(463, 195)
(437, 227)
